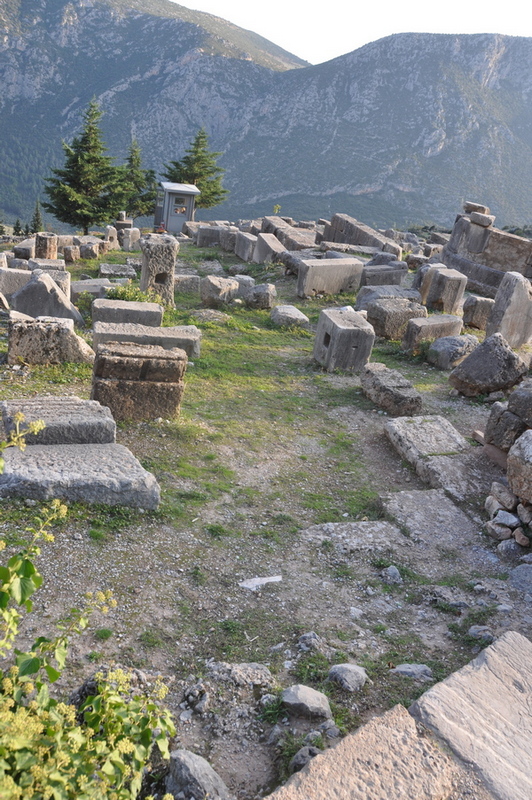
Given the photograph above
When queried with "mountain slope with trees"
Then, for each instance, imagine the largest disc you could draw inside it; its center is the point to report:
(399, 131)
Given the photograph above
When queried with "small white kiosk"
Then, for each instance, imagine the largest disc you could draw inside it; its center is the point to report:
(174, 206)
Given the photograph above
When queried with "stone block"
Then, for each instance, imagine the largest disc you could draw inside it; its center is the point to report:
(262, 296)
(46, 341)
(415, 261)
(190, 775)
(391, 274)
(64, 240)
(491, 366)
(87, 473)
(478, 713)
(111, 237)
(470, 207)
(267, 248)
(24, 249)
(449, 351)
(71, 254)
(123, 311)
(519, 467)
(228, 238)
(185, 337)
(443, 289)
(344, 339)
(136, 400)
(477, 311)
(245, 284)
(158, 264)
(503, 427)
(135, 362)
(18, 263)
(328, 276)
(288, 316)
(428, 329)
(368, 294)
(45, 245)
(390, 316)
(389, 390)
(484, 220)
(117, 271)
(42, 297)
(68, 420)
(58, 274)
(11, 280)
(89, 250)
(245, 245)
(188, 284)
(130, 239)
(511, 314)
(96, 286)
(418, 438)
(520, 401)
(209, 235)
(57, 264)
(216, 292)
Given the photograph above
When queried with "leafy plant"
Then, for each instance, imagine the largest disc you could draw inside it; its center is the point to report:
(273, 711)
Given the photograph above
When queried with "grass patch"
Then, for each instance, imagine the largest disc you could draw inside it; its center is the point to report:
(103, 634)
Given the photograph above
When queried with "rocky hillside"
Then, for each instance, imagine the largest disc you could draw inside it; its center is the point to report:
(398, 131)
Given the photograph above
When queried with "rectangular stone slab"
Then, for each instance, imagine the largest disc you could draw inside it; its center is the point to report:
(125, 311)
(328, 276)
(87, 473)
(68, 420)
(135, 362)
(186, 337)
(482, 712)
(139, 399)
(415, 438)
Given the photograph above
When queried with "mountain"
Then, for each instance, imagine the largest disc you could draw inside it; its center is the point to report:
(398, 131)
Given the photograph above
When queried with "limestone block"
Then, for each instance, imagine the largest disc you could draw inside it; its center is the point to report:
(417, 438)
(209, 235)
(130, 239)
(158, 264)
(42, 297)
(184, 337)
(45, 245)
(328, 276)
(135, 362)
(484, 220)
(111, 237)
(415, 261)
(139, 399)
(443, 289)
(188, 284)
(95, 286)
(71, 254)
(87, 473)
(519, 467)
(64, 240)
(449, 351)
(491, 366)
(503, 427)
(391, 274)
(477, 311)
(57, 264)
(511, 314)
(89, 250)
(388, 389)
(18, 263)
(470, 207)
(262, 296)
(288, 316)
(11, 280)
(121, 311)
(426, 330)
(267, 248)
(216, 292)
(117, 271)
(46, 342)
(245, 284)
(25, 249)
(58, 274)
(68, 420)
(480, 713)
(228, 238)
(191, 775)
(389, 316)
(520, 401)
(344, 339)
(368, 294)
(245, 245)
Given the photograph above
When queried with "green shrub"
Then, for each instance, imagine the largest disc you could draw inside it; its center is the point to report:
(132, 293)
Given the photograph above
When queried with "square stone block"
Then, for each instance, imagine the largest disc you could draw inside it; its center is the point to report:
(426, 330)
(139, 399)
(344, 339)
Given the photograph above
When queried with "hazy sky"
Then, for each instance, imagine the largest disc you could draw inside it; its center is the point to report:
(317, 31)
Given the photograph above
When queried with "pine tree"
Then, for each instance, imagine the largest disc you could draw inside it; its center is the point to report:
(87, 190)
(36, 220)
(17, 228)
(26, 229)
(139, 184)
(198, 166)
(2, 228)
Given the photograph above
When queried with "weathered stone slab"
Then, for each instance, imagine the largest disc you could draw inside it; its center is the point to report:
(130, 239)
(481, 713)
(369, 294)
(11, 280)
(96, 286)
(87, 473)
(139, 400)
(135, 362)
(57, 264)
(57, 273)
(71, 253)
(158, 264)
(477, 311)
(188, 284)
(328, 276)
(520, 401)
(245, 245)
(288, 316)
(267, 248)
(42, 297)
(46, 341)
(263, 295)
(68, 420)
(386, 759)
(25, 249)
(344, 339)
(359, 537)
(443, 289)
(511, 314)
(228, 238)
(416, 438)
(208, 235)
(216, 292)
(449, 351)
(185, 337)
(390, 315)
(519, 467)
(503, 427)
(426, 330)
(491, 366)
(117, 271)
(388, 389)
(124, 311)
(391, 274)
(89, 250)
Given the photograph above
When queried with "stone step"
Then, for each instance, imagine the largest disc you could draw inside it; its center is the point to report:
(68, 420)
(87, 473)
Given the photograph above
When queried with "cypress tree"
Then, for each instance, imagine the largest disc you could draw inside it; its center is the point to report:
(139, 184)
(87, 190)
(198, 166)
(17, 228)
(36, 220)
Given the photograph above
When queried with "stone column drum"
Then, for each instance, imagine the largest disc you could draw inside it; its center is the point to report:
(158, 265)
(45, 245)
